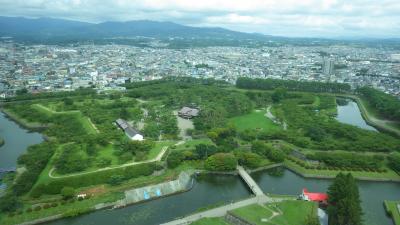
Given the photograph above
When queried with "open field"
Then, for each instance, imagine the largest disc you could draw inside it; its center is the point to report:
(392, 207)
(290, 212)
(254, 120)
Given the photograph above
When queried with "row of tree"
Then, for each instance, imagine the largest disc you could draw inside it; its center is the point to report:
(291, 85)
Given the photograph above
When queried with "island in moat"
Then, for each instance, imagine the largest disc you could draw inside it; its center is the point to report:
(113, 149)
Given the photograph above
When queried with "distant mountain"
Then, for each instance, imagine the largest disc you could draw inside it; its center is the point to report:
(49, 28)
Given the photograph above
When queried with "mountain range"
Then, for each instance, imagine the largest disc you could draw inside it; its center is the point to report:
(48, 28)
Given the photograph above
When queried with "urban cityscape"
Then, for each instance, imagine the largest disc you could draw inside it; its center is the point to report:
(49, 68)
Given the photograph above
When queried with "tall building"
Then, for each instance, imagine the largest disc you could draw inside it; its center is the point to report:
(328, 67)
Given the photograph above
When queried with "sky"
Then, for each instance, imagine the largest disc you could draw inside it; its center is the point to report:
(293, 18)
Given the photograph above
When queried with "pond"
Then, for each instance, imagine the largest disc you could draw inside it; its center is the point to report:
(349, 113)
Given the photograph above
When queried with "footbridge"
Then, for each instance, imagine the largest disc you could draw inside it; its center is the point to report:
(249, 181)
(259, 198)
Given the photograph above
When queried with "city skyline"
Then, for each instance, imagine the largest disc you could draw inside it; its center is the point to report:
(329, 18)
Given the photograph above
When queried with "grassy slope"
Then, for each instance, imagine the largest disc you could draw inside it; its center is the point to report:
(254, 120)
(391, 207)
(211, 221)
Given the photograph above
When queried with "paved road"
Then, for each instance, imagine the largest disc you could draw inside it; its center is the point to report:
(158, 158)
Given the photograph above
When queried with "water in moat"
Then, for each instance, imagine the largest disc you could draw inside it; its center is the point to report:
(17, 140)
(349, 113)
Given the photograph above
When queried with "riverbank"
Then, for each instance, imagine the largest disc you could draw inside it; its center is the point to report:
(22, 122)
(393, 210)
(112, 200)
(369, 118)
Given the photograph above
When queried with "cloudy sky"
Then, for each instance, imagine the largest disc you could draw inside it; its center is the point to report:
(300, 18)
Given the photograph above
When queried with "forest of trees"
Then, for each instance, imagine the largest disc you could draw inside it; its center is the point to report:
(291, 85)
(344, 201)
(387, 105)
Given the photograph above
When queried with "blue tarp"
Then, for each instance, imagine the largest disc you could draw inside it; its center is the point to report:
(146, 195)
(158, 192)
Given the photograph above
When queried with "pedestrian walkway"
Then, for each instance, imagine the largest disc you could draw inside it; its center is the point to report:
(249, 181)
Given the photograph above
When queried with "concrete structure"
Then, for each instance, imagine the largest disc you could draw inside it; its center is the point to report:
(183, 183)
(188, 113)
(132, 133)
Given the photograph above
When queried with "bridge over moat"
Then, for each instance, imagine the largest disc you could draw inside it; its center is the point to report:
(249, 181)
(259, 198)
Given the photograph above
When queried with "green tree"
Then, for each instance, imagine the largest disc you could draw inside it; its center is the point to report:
(344, 201)
(174, 159)
(68, 192)
(203, 150)
(221, 162)
(8, 202)
(278, 95)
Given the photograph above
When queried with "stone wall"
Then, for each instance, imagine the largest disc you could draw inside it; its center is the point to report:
(183, 183)
(235, 220)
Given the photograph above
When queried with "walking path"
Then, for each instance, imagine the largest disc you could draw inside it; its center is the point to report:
(250, 182)
(218, 212)
(156, 159)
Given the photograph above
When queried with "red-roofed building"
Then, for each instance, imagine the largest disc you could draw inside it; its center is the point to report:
(315, 197)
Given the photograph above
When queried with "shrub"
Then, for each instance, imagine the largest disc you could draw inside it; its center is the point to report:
(28, 210)
(46, 206)
(37, 208)
(54, 204)
(68, 192)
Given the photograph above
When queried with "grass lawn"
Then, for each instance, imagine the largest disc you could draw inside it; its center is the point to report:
(253, 213)
(211, 221)
(294, 212)
(254, 120)
(191, 144)
(157, 148)
(87, 125)
(392, 209)
(289, 212)
(390, 174)
(60, 209)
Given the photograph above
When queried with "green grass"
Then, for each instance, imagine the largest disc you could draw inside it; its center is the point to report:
(294, 212)
(211, 221)
(87, 125)
(253, 213)
(289, 212)
(254, 120)
(60, 209)
(191, 144)
(390, 174)
(391, 208)
(157, 148)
